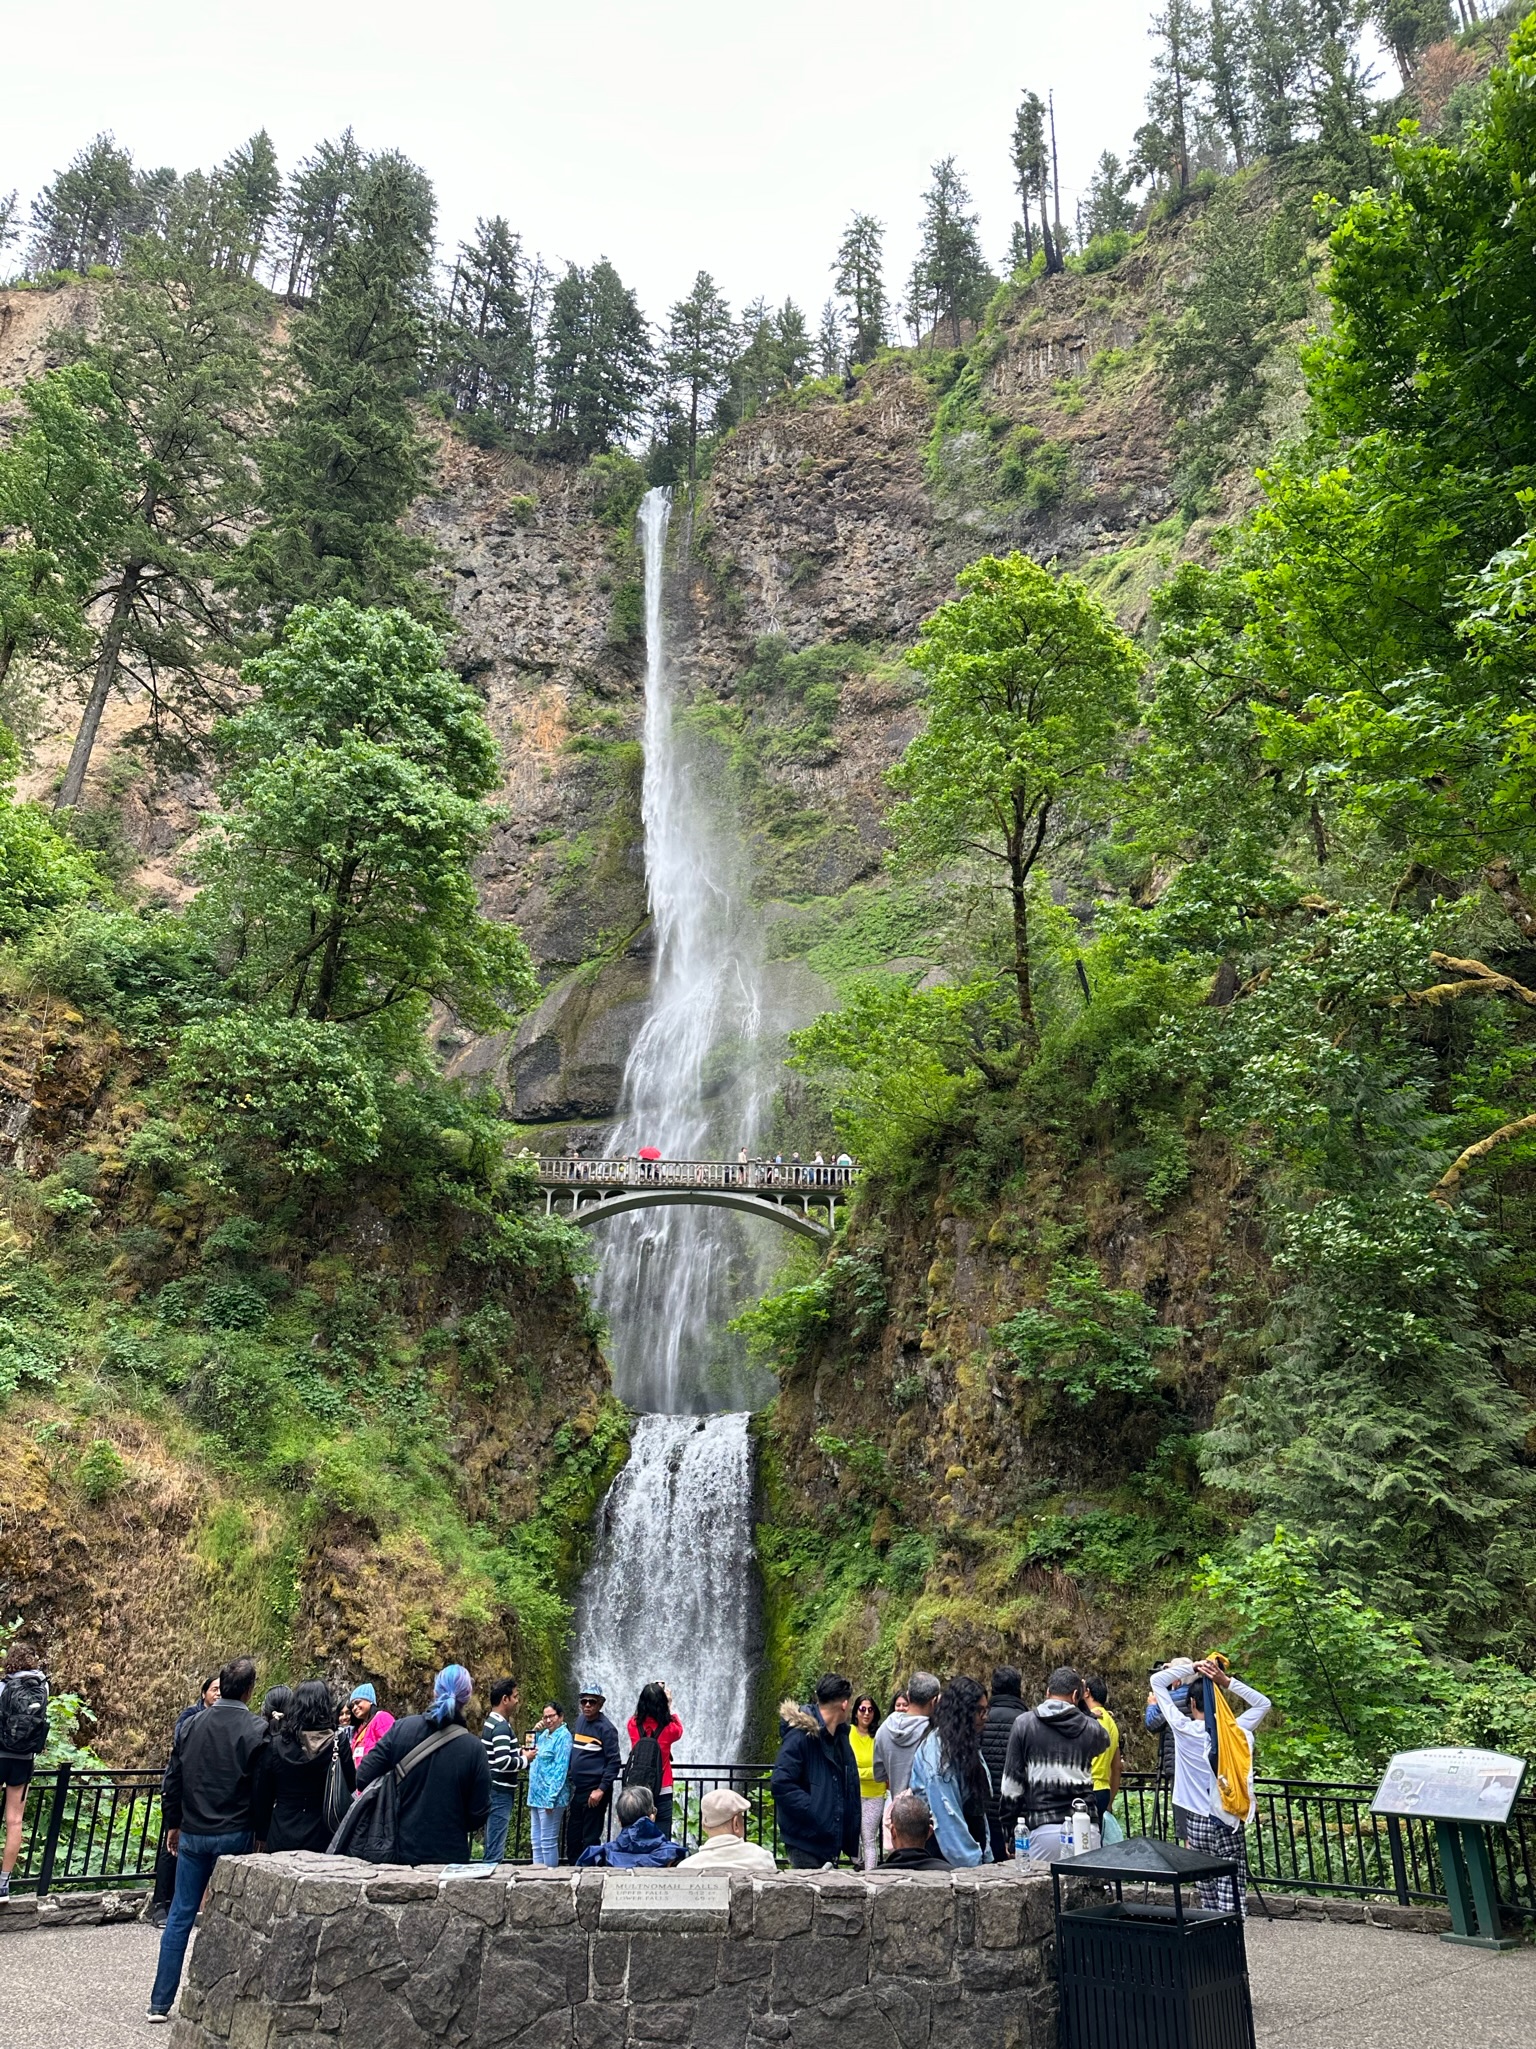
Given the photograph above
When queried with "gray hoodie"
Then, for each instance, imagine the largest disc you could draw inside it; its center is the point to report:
(896, 1744)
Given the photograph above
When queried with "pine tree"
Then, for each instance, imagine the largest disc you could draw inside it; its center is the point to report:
(599, 366)
(858, 283)
(251, 187)
(831, 342)
(950, 280)
(701, 344)
(1410, 27)
(1032, 178)
(83, 217)
(1220, 61)
(10, 219)
(345, 458)
(1163, 144)
(179, 351)
(1109, 209)
(486, 350)
(318, 194)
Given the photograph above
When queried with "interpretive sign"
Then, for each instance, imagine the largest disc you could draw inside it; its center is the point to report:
(1450, 1785)
(668, 1899)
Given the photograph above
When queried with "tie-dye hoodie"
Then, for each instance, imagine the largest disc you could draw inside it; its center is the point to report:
(1050, 1763)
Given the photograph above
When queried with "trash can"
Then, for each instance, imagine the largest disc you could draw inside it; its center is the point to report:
(1146, 1973)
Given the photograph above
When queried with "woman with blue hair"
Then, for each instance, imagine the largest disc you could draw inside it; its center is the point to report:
(445, 1782)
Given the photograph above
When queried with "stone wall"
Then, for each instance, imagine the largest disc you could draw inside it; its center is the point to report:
(300, 1951)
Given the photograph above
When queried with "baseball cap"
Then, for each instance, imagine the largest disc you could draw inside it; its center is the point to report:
(591, 1693)
(719, 1808)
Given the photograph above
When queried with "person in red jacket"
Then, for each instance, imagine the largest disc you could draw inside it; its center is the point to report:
(654, 1716)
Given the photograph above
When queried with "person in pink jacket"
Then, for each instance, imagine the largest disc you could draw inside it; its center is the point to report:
(369, 1722)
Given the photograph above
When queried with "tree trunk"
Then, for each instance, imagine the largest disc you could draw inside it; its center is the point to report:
(101, 688)
(1501, 878)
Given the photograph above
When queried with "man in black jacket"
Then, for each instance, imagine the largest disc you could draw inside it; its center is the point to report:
(206, 1811)
(446, 1798)
(815, 1782)
(1007, 1704)
(594, 1768)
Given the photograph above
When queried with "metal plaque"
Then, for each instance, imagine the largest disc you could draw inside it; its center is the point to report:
(1450, 1785)
(672, 1899)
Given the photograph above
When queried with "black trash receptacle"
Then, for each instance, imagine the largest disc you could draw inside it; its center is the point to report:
(1144, 1973)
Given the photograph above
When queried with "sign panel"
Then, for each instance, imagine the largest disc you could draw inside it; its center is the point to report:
(671, 1898)
(1450, 1785)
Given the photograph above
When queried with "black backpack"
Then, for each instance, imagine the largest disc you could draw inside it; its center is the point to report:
(370, 1828)
(645, 1765)
(23, 1714)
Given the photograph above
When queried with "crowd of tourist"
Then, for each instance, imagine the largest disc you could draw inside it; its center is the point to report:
(956, 1774)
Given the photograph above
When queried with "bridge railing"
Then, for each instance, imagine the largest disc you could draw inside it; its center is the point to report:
(764, 1176)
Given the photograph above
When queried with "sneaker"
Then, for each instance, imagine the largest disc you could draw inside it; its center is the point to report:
(157, 2016)
(5, 1886)
(158, 1916)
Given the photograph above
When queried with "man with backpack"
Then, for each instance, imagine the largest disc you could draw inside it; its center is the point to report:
(207, 1800)
(23, 1733)
(442, 1779)
(594, 1769)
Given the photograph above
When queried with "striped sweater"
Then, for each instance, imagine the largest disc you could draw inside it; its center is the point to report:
(1050, 1763)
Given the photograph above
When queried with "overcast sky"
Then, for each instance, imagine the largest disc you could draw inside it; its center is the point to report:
(669, 135)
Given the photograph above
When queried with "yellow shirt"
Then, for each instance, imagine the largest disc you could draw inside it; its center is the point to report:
(870, 1787)
(1103, 1763)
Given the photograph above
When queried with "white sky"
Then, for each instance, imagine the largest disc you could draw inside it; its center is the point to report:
(668, 135)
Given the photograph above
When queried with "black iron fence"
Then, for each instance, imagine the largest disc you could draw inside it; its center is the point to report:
(97, 1828)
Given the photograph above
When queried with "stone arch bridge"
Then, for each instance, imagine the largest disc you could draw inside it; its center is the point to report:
(802, 1199)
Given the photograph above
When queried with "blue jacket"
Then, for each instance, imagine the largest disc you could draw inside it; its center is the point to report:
(640, 1846)
(549, 1777)
(956, 1843)
(815, 1786)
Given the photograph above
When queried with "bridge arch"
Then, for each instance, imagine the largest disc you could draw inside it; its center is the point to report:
(781, 1212)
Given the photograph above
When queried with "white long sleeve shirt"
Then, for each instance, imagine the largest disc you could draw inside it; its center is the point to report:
(1194, 1785)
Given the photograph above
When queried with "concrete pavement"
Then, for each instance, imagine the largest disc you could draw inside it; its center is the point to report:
(78, 1988)
(1338, 1985)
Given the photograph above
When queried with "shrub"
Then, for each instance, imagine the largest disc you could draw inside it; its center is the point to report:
(101, 1471)
(40, 870)
(138, 970)
(1088, 1340)
(276, 1092)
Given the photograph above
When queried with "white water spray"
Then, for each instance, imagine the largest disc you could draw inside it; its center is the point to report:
(671, 1591)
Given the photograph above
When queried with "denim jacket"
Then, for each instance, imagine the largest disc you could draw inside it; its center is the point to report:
(956, 1843)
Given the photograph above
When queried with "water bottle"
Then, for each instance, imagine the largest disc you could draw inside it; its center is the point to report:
(1080, 1827)
(1020, 1842)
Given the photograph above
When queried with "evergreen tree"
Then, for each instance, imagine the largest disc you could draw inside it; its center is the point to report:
(84, 215)
(1410, 27)
(599, 366)
(1032, 179)
(858, 284)
(250, 187)
(700, 347)
(345, 458)
(316, 200)
(950, 279)
(10, 219)
(1109, 209)
(487, 343)
(1163, 145)
(831, 342)
(179, 352)
(1221, 63)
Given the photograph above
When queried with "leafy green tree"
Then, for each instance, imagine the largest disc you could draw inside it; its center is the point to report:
(859, 286)
(41, 872)
(701, 342)
(179, 352)
(339, 884)
(1032, 179)
(82, 216)
(1031, 685)
(599, 366)
(950, 280)
(345, 457)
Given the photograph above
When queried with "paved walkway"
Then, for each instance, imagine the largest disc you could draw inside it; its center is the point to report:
(1316, 1985)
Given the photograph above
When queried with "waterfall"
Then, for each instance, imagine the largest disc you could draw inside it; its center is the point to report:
(671, 1594)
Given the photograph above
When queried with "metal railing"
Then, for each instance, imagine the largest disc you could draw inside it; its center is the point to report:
(1318, 1837)
(568, 1171)
(93, 1828)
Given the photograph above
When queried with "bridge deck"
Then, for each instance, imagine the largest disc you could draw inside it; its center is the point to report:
(761, 1177)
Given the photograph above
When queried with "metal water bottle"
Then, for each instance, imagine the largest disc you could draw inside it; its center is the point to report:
(1080, 1827)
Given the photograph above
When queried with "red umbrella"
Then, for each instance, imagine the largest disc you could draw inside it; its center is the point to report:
(649, 1152)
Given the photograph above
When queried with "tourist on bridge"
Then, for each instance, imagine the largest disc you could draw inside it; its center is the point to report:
(503, 1759)
(911, 1829)
(23, 1733)
(861, 1737)
(548, 1757)
(723, 1818)
(594, 1768)
(949, 1773)
(903, 1729)
(641, 1843)
(1005, 1705)
(654, 1721)
(815, 1782)
(206, 1806)
(1212, 1762)
(288, 1808)
(1050, 1756)
(444, 1800)
(369, 1722)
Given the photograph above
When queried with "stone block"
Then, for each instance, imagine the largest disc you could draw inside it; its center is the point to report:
(480, 1899)
(742, 1894)
(854, 2021)
(914, 1928)
(375, 2017)
(589, 1898)
(300, 2018)
(842, 1909)
(610, 1964)
(781, 1907)
(994, 1970)
(744, 1962)
(393, 1885)
(541, 1903)
(446, 1986)
(526, 1976)
(250, 2025)
(990, 2020)
(418, 1929)
(226, 1952)
(666, 1966)
(326, 1896)
(361, 1944)
(807, 1972)
(601, 2026)
(661, 2021)
(289, 1964)
(722, 2017)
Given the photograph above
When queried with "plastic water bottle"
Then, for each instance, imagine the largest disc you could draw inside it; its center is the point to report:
(1080, 1826)
(1020, 1842)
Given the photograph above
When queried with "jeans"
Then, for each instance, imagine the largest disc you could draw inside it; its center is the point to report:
(496, 1822)
(546, 1834)
(195, 1859)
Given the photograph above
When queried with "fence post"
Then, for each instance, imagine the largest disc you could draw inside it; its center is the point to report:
(55, 1824)
(1399, 1866)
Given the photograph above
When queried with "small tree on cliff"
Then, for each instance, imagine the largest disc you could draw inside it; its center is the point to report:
(1030, 682)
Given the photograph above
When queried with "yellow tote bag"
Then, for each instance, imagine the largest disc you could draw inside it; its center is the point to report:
(1234, 1760)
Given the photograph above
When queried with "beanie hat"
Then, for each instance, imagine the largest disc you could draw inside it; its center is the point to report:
(364, 1692)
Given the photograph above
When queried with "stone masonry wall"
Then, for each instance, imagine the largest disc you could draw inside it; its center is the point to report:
(300, 1951)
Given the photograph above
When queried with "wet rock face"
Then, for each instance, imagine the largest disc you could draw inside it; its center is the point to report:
(336, 1955)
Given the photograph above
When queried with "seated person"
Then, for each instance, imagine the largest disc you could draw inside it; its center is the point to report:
(911, 1824)
(725, 1846)
(639, 1844)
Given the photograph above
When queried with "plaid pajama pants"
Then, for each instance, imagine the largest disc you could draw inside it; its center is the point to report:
(1218, 1840)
